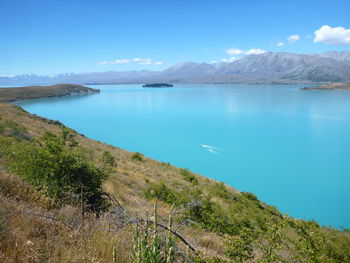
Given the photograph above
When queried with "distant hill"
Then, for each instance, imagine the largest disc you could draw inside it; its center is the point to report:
(270, 67)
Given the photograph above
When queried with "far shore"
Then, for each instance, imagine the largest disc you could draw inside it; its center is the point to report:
(331, 86)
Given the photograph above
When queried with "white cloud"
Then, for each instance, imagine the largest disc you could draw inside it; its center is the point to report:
(255, 51)
(140, 61)
(280, 44)
(333, 35)
(293, 38)
(234, 51)
(120, 61)
(228, 60)
(239, 52)
(117, 61)
(145, 61)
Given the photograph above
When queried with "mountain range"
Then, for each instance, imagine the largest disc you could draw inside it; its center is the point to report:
(269, 67)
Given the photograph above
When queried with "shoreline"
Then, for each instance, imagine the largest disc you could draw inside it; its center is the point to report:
(331, 86)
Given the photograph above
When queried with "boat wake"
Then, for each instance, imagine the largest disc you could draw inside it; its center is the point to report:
(211, 149)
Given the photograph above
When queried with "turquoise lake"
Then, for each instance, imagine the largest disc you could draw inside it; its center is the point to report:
(290, 147)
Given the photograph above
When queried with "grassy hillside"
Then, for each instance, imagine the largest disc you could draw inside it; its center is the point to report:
(36, 92)
(67, 198)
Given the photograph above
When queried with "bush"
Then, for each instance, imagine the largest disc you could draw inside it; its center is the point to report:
(250, 196)
(107, 163)
(67, 137)
(107, 159)
(58, 171)
(188, 176)
(219, 190)
(137, 157)
(239, 248)
(163, 193)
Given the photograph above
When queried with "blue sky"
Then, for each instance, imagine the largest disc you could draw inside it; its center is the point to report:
(58, 36)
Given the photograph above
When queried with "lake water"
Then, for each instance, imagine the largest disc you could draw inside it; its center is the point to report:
(288, 146)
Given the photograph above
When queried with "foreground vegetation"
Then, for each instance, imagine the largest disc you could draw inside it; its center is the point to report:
(67, 198)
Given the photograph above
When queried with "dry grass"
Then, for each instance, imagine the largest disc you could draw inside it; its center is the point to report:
(28, 237)
(28, 234)
(128, 180)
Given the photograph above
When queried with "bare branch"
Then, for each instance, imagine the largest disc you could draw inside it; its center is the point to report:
(158, 224)
(48, 217)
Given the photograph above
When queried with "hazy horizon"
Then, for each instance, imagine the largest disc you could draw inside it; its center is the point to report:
(158, 70)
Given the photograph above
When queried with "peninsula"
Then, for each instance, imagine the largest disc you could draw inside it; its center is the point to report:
(331, 86)
(12, 94)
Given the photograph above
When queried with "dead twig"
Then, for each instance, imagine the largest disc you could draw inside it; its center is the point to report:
(48, 217)
(147, 221)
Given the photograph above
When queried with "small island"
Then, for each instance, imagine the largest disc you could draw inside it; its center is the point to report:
(158, 85)
(36, 92)
(331, 86)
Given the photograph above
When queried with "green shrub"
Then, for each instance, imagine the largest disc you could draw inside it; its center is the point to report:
(209, 215)
(219, 190)
(137, 157)
(165, 164)
(239, 248)
(188, 176)
(58, 171)
(107, 162)
(250, 196)
(273, 236)
(68, 136)
(107, 159)
(163, 193)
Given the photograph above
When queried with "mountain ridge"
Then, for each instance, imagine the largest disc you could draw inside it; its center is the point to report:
(269, 67)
